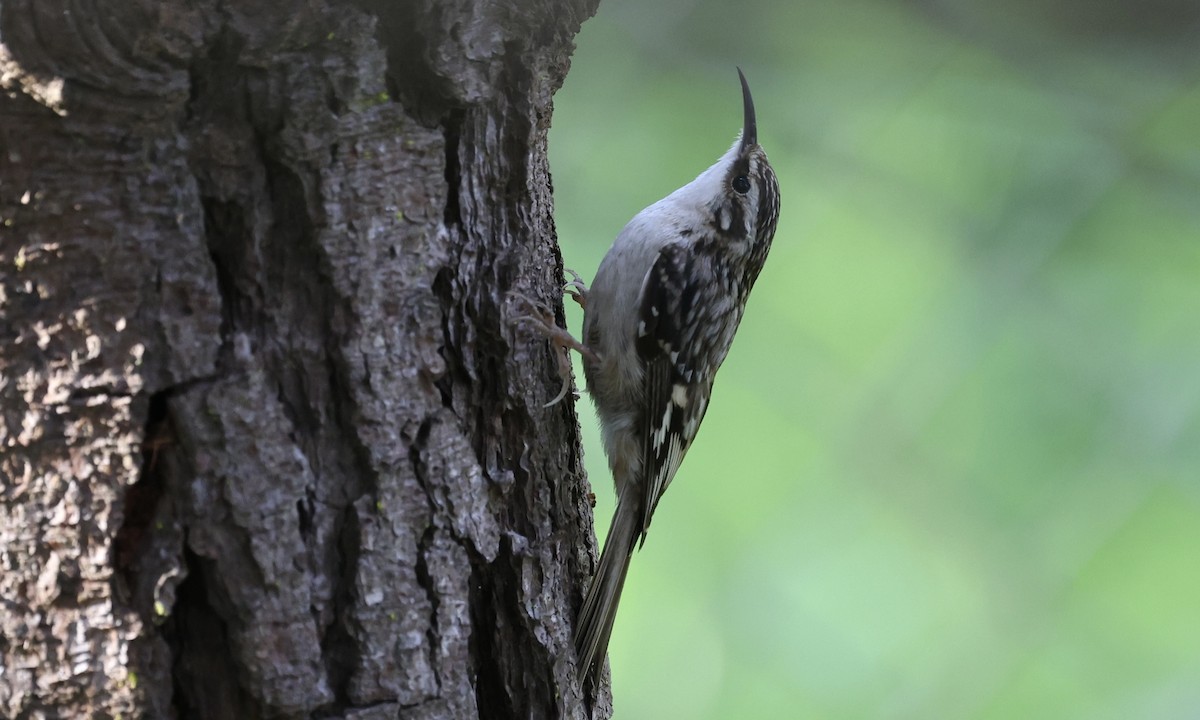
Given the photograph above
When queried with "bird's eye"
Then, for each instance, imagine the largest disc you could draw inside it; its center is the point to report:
(741, 184)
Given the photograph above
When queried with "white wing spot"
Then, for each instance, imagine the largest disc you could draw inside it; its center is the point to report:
(679, 395)
(660, 435)
(693, 421)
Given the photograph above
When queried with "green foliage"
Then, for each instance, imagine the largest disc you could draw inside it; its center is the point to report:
(952, 466)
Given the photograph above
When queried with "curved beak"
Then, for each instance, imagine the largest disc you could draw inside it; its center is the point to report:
(749, 124)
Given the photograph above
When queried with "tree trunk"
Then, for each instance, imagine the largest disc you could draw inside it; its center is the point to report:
(269, 446)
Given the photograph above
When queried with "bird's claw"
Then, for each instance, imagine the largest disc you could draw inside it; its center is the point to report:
(576, 288)
(542, 319)
(535, 313)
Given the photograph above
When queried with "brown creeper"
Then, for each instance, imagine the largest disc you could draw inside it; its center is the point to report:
(658, 321)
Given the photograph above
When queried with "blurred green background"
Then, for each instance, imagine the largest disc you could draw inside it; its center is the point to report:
(952, 465)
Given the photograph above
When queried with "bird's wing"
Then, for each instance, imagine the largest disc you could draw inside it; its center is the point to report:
(672, 344)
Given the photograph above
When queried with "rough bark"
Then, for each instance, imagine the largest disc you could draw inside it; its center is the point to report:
(268, 447)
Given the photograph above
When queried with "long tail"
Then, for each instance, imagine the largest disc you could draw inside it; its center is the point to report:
(595, 622)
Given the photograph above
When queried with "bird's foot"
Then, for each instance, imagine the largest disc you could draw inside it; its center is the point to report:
(538, 316)
(577, 288)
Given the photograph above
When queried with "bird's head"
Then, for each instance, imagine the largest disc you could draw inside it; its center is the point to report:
(737, 198)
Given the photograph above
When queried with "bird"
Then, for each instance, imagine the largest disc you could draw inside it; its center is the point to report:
(659, 319)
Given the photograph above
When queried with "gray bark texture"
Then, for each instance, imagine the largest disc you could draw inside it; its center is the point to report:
(269, 446)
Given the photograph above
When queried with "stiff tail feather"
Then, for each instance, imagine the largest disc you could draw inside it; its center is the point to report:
(595, 623)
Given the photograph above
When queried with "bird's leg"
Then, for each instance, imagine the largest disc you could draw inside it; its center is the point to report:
(542, 319)
(538, 316)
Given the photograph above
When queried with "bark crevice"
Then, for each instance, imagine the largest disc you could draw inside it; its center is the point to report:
(205, 683)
